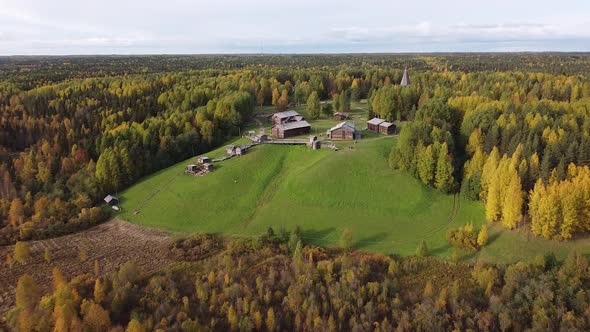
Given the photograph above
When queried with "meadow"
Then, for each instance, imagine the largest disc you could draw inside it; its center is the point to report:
(323, 192)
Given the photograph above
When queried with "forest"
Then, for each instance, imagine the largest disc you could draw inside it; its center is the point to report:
(275, 283)
(509, 130)
(83, 131)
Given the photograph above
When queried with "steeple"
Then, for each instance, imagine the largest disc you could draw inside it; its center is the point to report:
(405, 79)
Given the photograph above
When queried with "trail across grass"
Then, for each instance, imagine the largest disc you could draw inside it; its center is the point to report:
(324, 192)
(321, 191)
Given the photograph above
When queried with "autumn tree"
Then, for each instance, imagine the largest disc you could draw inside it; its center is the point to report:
(270, 320)
(95, 317)
(512, 201)
(444, 179)
(16, 214)
(426, 165)
(482, 236)
(422, 250)
(346, 239)
(313, 106)
(22, 252)
(283, 102)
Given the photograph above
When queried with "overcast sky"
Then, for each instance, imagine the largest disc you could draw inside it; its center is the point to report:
(294, 26)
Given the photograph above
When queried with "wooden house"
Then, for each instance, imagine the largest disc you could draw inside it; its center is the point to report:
(234, 150)
(192, 169)
(260, 138)
(341, 116)
(203, 160)
(374, 123)
(286, 116)
(344, 131)
(111, 200)
(387, 128)
(290, 129)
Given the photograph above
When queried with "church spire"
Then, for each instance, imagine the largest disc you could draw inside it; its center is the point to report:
(405, 79)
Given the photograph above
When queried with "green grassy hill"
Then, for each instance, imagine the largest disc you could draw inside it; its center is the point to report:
(324, 192)
(321, 191)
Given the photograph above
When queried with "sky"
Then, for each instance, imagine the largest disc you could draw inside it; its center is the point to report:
(58, 27)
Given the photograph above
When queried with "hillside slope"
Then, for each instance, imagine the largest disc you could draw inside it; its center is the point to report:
(324, 192)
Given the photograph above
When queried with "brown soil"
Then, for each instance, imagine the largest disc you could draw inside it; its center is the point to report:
(112, 244)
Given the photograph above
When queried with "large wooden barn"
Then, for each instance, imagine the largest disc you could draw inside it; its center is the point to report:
(344, 131)
(290, 129)
(284, 117)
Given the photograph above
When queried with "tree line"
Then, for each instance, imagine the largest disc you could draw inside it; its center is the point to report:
(508, 137)
(275, 283)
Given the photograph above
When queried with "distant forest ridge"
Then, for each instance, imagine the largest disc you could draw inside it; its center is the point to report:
(50, 69)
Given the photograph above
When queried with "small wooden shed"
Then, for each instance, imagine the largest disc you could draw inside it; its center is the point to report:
(192, 169)
(204, 160)
(111, 200)
(260, 138)
(341, 116)
(387, 128)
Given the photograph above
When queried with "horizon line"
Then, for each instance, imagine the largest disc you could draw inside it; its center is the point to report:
(290, 53)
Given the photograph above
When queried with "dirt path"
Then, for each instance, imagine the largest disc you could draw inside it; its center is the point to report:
(112, 244)
(260, 125)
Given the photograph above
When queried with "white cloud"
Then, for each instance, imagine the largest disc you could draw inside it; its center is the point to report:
(183, 26)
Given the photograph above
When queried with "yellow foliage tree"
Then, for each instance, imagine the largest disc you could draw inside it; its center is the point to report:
(512, 201)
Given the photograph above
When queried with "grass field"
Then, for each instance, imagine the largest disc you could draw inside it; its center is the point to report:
(324, 192)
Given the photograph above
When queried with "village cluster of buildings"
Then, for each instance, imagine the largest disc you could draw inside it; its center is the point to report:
(290, 123)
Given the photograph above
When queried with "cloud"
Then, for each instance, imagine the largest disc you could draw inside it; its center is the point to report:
(233, 26)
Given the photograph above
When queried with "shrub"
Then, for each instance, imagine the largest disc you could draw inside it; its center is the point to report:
(22, 252)
(463, 238)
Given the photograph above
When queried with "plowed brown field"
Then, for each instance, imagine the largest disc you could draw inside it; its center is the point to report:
(112, 244)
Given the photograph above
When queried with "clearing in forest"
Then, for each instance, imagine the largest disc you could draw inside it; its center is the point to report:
(323, 191)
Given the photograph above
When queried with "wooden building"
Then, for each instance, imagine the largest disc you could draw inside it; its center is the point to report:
(111, 200)
(203, 160)
(260, 138)
(344, 131)
(405, 78)
(290, 129)
(387, 128)
(374, 123)
(192, 169)
(234, 150)
(286, 116)
(341, 116)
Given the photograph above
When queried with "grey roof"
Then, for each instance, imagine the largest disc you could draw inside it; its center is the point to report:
(285, 114)
(344, 125)
(110, 198)
(375, 121)
(385, 124)
(294, 125)
(405, 79)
